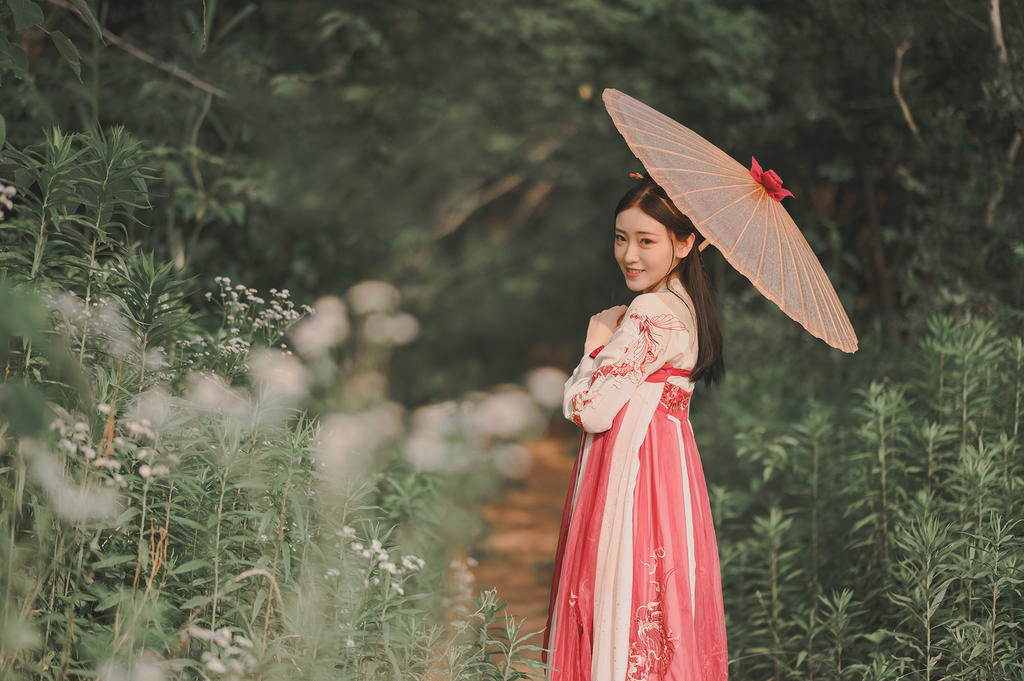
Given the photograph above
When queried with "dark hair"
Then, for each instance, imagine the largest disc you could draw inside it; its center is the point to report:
(652, 199)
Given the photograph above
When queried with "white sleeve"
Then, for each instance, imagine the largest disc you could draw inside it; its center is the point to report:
(601, 385)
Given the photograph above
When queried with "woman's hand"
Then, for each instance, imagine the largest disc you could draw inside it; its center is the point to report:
(602, 326)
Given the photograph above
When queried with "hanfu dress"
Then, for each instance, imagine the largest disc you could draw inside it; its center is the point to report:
(637, 591)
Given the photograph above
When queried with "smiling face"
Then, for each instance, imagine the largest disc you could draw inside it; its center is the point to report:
(645, 250)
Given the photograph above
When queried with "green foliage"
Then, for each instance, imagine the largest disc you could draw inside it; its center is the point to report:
(881, 542)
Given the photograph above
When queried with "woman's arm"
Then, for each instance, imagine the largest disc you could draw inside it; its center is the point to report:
(602, 384)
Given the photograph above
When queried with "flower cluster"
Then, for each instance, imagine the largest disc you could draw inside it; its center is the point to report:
(231, 651)
(6, 192)
(397, 566)
(124, 445)
(247, 315)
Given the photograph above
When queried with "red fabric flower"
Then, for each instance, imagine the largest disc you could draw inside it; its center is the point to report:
(769, 179)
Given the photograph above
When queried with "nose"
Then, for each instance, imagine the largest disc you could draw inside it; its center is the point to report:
(630, 256)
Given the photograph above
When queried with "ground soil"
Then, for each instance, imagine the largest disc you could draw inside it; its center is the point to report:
(517, 557)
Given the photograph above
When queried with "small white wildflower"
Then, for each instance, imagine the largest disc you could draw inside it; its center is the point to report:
(145, 471)
(161, 469)
(103, 408)
(347, 531)
(223, 637)
(375, 545)
(243, 641)
(350, 643)
(144, 453)
(366, 553)
(67, 444)
(376, 580)
(390, 329)
(213, 663)
(412, 562)
(373, 296)
(547, 385)
(400, 590)
(356, 546)
(81, 427)
(88, 452)
(390, 567)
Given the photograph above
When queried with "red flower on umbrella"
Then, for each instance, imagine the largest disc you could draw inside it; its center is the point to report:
(769, 179)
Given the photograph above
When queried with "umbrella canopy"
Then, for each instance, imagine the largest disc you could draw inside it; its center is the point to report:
(739, 215)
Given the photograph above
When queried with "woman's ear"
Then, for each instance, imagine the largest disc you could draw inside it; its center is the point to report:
(683, 247)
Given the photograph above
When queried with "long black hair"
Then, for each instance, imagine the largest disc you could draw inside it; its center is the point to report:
(652, 200)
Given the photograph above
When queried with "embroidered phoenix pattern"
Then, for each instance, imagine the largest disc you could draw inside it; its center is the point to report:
(639, 354)
(653, 643)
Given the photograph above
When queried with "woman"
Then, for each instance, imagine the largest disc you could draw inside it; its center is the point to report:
(637, 590)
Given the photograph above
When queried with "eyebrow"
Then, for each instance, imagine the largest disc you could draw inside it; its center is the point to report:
(618, 229)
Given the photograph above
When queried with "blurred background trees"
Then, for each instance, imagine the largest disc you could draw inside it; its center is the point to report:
(462, 151)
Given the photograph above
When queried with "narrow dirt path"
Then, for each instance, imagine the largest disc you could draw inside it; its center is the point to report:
(518, 557)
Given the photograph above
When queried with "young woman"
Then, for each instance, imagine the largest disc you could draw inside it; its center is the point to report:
(637, 589)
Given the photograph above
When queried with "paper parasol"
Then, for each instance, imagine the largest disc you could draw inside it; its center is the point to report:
(737, 215)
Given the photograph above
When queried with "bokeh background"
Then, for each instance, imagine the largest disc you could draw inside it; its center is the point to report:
(353, 244)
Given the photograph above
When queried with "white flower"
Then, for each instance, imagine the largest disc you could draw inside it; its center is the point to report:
(347, 531)
(400, 590)
(243, 641)
(504, 414)
(513, 460)
(70, 501)
(199, 632)
(350, 643)
(547, 386)
(283, 378)
(211, 393)
(390, 329)
(333, 572)
(356, 546)
(145, 471)
(103, 408)
(412, 562)
(373, 296)
(213, 663)
(223, 637)
(161, 469)
(325, 328)
(67, 444)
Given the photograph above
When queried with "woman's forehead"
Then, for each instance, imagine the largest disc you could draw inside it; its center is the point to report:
(635, 221)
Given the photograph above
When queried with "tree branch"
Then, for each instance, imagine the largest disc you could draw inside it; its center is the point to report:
(171, 69)
(901, 49)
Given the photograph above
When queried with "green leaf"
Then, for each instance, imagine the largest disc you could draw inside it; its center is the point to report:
(189, 566)
(3, 131)
(68, 50)
(26, 13)
(90, 18)
(111, 561)
(15, 55)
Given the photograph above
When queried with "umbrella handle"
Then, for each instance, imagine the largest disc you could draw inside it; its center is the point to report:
(704, 244)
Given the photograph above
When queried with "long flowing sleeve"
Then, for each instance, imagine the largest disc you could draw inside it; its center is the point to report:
(602, 384)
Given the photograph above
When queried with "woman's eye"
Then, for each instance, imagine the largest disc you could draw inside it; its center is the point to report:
(646, 241)
(619, 237)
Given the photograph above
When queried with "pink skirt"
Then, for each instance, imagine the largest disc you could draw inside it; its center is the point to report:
(677, 621)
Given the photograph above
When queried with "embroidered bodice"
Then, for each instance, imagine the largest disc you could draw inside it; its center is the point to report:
(658, 329)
